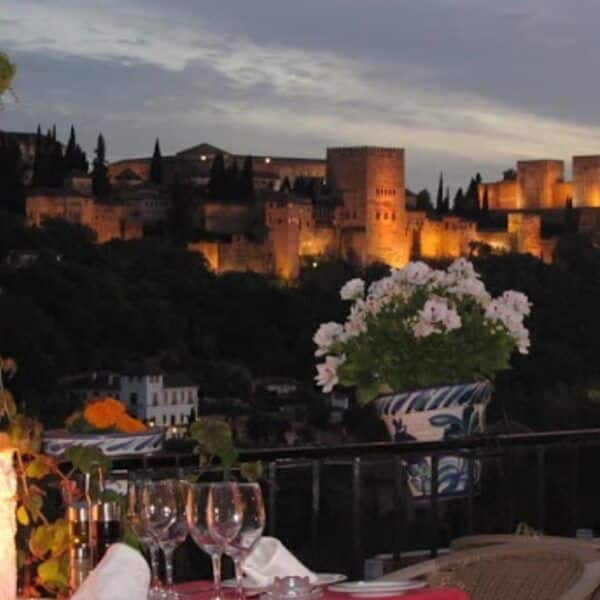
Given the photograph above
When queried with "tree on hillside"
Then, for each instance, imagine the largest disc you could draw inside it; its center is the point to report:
(75, 159)
(156, 171)
(439, 201)
(232, 181)
(424, 201)
(458, 205)
(56, 169)
(217, 184)
(12, 187)
(100, 182)
(286, 186)
(180, 213)
(247, 179)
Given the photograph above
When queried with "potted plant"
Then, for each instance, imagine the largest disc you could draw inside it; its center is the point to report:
(424, 345)
(105, 424)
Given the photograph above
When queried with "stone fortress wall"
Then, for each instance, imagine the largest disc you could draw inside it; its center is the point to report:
(541, 185)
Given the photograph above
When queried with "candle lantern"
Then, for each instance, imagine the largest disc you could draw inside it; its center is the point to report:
(8, 526)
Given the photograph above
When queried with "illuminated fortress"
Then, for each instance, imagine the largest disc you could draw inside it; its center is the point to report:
(360, 213)
(366, 221)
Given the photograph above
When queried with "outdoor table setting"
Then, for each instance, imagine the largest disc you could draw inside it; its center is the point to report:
(225, 518)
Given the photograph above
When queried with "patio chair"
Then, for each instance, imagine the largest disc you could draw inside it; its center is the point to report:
(470, 542)
(515, 572)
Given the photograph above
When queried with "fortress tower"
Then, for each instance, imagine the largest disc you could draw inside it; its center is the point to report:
(536, 181)
(586, 181)
(369, 182)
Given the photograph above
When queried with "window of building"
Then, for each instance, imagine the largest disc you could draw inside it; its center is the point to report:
(173, 397)
(377, 216)
(190, 397)
(155, 399)
(164, 419)
(172, 419)
(133, 399)
(165, 398)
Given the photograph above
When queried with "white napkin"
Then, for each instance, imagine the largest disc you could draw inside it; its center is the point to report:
(122, 574)
(270, 559)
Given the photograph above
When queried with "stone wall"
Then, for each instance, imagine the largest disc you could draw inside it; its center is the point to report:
(586, 181)
(526, 233)
(114, 221)
(535, 182)
(449, 237)
(222, 217)
(502, 195)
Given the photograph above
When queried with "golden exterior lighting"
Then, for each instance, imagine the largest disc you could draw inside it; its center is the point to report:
(8, 527)
(267, 160)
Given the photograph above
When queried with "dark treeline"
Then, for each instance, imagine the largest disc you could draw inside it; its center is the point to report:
(81, 306)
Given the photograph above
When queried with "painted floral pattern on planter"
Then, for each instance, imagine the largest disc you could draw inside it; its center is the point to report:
(112, 444)
(440, 413)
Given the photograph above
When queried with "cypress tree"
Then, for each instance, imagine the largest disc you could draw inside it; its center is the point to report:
(247, 179)
(56, 171)
(447, 201)
(285, 185)
(100, 183)
(232, 181)
(459, 202)
(299, 185)
(217, 184)
(570, 221)
(156, 174)
(36, 179)
(424, 201)
(439, 201)
(81, 162)
(485, 207)
(12, 185)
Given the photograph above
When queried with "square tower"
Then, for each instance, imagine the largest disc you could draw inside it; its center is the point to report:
(586, 181)
(535, 182)
(369, 182)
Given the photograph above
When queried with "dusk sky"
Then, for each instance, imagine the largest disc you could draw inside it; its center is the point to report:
(462, 85)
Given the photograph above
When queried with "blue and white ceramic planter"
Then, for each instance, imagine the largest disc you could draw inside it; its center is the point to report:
(58, 441)
(438, 413)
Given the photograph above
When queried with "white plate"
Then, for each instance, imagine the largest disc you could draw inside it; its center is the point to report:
(323, 579)
(371, 589)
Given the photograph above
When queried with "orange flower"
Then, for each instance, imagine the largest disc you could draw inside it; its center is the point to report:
(103, 412)
(127, 424)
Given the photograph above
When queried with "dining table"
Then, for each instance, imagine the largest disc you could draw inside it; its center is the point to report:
(201, 590)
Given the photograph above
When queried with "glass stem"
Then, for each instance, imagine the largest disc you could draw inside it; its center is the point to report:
(153, 548)
(238, 563)
(216, 565)
(168, 554)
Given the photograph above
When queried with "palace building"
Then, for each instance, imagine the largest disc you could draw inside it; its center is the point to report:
(353, 205)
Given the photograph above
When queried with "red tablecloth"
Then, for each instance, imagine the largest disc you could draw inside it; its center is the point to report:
(196, 590)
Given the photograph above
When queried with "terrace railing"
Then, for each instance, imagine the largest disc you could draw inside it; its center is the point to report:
(549, 480)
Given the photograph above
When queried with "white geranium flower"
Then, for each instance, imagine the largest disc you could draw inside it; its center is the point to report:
(326, 335)
(472, 287)
(518, 301)
(327, 376)
(416, 273)
(463, 268)
(353, 289)
(436, 317)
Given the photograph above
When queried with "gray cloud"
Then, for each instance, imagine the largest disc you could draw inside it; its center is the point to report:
(462, 85)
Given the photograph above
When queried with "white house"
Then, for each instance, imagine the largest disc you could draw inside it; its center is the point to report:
(159, 399)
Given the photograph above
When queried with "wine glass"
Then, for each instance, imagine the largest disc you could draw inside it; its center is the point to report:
(164, 511)
(198, 507)
(140, 526)
(249, 495)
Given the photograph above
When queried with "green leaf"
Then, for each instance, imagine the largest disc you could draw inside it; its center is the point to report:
(87, 459)
(41, 540)
(367, 393)
(22, 516)
(131, 539)
(251, 471)
(52, 574)
(39, 467)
